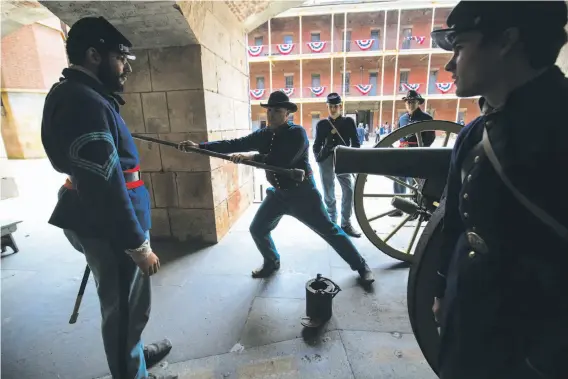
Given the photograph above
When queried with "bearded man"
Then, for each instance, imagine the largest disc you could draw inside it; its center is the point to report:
(104, 207)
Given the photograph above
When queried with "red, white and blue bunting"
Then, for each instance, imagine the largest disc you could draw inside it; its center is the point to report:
(317, 47)
(318, 91)
(411, 86)
(364, 44)
(285, 48)
(364, 88)
(287, 91)
(254, 51)
(419, 39)
(444, 87)
(257, 93)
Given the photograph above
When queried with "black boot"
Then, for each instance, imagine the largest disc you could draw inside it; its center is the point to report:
(366, 274)
(267, 269)
(156, 351)
(350, 231)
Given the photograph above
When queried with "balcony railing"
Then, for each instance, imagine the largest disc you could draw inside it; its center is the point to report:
(358, 90)
(358, 45)
(409, 43)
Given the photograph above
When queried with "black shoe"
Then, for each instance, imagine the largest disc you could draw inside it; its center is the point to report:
(156, 351)
(350, 231)
(366, 274)
(267, 269)
(169, 376)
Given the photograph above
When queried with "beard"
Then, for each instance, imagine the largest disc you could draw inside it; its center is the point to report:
(111, 80)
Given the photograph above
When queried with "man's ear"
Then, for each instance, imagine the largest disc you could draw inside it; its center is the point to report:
(509, 40)
(93, 56)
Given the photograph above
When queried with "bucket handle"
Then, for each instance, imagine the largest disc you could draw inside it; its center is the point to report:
(337, 288)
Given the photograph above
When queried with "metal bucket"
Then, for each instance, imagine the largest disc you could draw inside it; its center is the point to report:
(319, 300)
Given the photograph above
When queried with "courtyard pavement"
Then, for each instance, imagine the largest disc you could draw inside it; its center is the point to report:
(223, 323)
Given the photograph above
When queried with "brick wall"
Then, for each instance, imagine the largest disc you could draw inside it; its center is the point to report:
(359, 69)
(32, 60)
(21, 66)
(359, 25)
(32, 57)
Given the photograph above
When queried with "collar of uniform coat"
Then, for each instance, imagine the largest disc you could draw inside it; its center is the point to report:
(73, 73)
(524, 96)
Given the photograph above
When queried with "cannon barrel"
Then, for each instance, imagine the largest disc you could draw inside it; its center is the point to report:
(417, 162)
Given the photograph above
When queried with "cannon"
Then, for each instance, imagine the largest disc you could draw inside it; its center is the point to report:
(374, 198)
(428, 168)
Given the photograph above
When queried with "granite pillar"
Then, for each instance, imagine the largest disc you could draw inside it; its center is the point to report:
(191, 92)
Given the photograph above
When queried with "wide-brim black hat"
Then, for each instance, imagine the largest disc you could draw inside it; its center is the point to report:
(539, 17)
(279, 99)
(413, 95)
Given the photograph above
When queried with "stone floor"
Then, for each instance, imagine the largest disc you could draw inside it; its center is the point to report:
(223, 323)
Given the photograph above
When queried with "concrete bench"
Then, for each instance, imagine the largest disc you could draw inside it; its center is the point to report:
(9, 227)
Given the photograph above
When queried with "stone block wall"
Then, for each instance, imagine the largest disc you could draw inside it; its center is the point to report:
(190, 92)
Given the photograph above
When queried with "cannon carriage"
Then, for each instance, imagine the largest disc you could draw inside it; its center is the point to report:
(374, 198)
(428, 167)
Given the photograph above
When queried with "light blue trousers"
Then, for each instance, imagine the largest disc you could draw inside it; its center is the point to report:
(328, 175)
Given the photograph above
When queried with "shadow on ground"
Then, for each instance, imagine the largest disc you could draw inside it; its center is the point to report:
(222, 322)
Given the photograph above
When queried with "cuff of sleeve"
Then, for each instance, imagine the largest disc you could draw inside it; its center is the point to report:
(141, 252)
(203, 145)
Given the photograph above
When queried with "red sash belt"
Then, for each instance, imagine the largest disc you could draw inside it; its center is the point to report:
(132, 177)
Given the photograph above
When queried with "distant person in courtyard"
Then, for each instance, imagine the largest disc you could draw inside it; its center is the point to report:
(104, 208)
(361, 134)
(501, 300)
(331, 132)
(414, 113)
(286, 145)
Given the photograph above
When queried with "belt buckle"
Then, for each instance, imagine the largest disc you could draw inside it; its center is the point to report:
(477, 243)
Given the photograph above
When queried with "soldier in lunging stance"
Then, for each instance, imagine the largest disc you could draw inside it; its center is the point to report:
(104, 208)
(286, 145)
(502, 303)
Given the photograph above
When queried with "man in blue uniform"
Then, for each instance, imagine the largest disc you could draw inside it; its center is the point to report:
(104, 208)
(334, 131)
(412, 101)
(286, 145)
(502, 303)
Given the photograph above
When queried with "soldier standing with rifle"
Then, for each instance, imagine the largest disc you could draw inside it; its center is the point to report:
(104, 208)
(502, 302)
(286, 145)
(331, 132)
(412, 101)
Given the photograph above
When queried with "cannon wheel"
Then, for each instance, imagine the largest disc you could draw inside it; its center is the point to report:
(364, 216)
(421, 288)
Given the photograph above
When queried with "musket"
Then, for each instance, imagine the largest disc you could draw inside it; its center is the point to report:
(292, 173)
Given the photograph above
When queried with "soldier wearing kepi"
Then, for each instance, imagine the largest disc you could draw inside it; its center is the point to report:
(412, 101)
(502, 303)
(331, 132)
(286, 145)
(104, 208)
